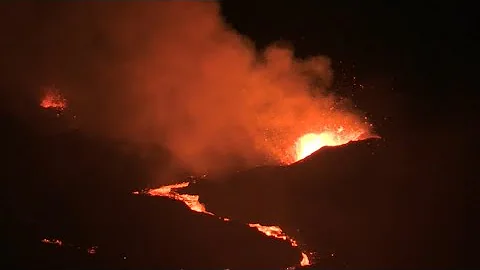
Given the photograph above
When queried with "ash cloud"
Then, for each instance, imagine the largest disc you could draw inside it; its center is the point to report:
(172, 73)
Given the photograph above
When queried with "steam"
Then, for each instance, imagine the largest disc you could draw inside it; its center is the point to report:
(173, 73)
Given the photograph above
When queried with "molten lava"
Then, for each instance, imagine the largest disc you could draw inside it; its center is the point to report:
(311, 142)
(192, 201)
(52, 242)
(53, 99)
(90, 250)
(305, 146)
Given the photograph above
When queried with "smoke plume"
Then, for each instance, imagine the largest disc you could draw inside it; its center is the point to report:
(172, 73)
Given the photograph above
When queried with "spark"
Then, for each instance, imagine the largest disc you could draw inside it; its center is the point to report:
(53, 99)
(91, 250)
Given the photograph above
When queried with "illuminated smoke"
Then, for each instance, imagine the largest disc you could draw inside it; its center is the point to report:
(173, 73)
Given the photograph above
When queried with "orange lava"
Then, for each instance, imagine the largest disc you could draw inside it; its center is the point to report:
(91, 250)
(275, 231)
(52, 242)
(53, 99)
(192, 201)
(311, 142)
(305, 261)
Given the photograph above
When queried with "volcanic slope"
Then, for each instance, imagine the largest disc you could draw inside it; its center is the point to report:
(78, 190)
(375, 203)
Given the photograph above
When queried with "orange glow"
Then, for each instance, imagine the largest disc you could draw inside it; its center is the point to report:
(192, 201)
(52, 242)
(53, 99)
(305, 261)
(91, 250)
(311, 142)
(273, 231)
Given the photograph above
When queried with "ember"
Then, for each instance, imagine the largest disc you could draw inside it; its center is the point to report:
(91, 250)
(52, 241)
(53, 99)
(275, 231)
(311, 142)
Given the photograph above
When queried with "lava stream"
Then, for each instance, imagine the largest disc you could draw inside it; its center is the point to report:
(192, 201)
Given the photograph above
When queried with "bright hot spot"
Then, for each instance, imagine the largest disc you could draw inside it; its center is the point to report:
(53, 99)
(311, 142)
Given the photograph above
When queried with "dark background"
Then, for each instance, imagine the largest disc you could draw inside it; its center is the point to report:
(417, 64)
(417, 60)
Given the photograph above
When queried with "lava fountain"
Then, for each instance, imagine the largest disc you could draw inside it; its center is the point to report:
(53, 99)
(308, 143)
(304, 146)
(311, 142)
(192, 201)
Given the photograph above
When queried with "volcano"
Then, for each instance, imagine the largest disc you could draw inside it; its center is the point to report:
(373, 203)
(70, 203)
(366, 204)
(110, 112)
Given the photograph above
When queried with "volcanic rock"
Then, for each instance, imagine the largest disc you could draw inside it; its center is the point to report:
(376, 203)
(79, 190)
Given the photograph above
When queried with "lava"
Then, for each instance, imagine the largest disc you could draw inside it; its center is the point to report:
(311, 142)
(52, 242)
(53, 99)
(273, 231)
(192, 201)
(91, 250)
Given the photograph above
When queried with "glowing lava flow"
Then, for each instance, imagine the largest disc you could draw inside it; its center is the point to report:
(192, 201)
(91, 250)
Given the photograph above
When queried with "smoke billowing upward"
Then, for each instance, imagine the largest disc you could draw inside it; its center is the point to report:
(175, 74)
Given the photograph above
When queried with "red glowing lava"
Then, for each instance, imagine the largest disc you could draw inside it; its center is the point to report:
(311, 142)
(53, 99)
(90, 250)
(192, 201)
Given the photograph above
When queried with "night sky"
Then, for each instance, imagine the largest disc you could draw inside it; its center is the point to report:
(418, 59)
